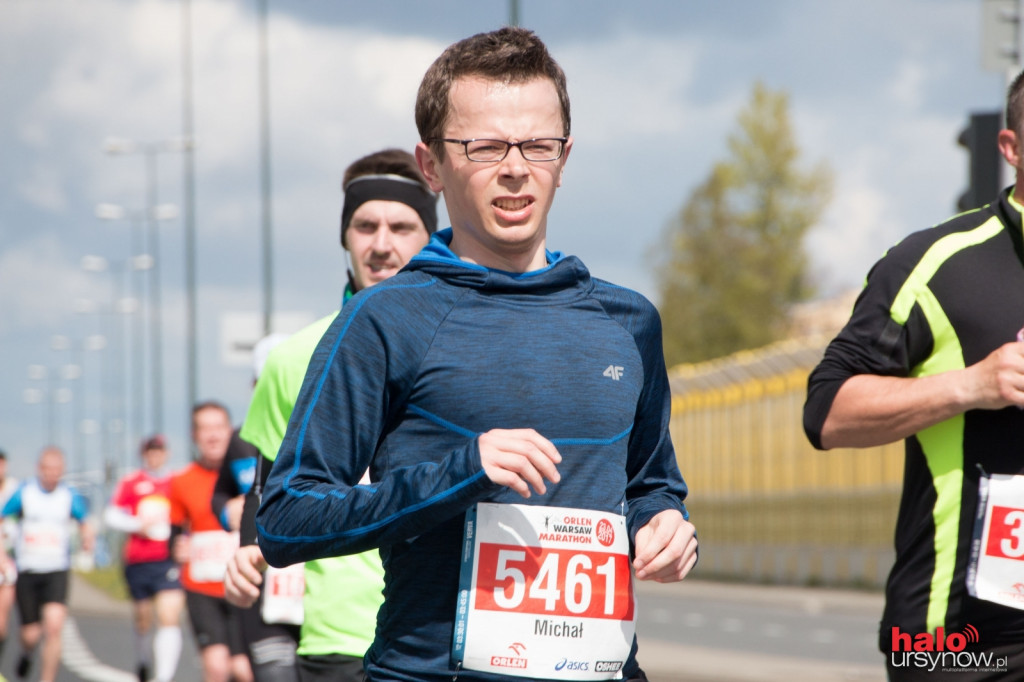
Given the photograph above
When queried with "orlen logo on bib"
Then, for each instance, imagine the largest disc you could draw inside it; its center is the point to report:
(508, 662)
(605, 532)
(516, 661)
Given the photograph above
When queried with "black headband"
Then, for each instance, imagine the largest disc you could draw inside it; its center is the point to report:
(389, 188)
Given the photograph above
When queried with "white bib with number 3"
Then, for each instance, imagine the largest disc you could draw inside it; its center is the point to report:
(544, 592)
(282, 594)
(996, 570)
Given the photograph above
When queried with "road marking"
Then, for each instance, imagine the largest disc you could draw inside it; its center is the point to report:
(823, 636)
(732, 625)
(694, 620)
(774, 630)
(77, 658)
(661, 616)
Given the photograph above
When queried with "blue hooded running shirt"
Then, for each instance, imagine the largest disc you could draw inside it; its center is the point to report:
(404, 380)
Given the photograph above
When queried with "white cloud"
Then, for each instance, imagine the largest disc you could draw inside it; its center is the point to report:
(43, 188)
(651, 109)
(907, 84)
(649, 97)
(41, 281)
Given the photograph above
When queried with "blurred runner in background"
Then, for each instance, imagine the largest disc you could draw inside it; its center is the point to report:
(203, 547)
(270, 640)
(141, 508)
(44, 508)
(8, 569)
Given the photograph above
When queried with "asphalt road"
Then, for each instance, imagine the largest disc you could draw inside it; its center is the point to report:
(698, 631)
(695, 631)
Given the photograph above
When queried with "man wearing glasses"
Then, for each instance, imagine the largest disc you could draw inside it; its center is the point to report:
(512, 411)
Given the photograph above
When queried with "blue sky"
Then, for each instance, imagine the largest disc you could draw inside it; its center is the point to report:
(879, 90)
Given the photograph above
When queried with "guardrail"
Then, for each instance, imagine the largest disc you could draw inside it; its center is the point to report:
(768, 506)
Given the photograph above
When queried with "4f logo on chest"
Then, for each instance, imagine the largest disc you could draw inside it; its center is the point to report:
(613, 371)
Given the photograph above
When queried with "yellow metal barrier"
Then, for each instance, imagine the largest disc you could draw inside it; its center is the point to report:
(768, 506)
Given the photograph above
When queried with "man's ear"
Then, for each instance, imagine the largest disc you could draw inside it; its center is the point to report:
(565, 157)
(428, 164)
(1009, 146)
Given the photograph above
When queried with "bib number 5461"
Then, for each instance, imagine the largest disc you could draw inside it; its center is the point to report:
(554, 582)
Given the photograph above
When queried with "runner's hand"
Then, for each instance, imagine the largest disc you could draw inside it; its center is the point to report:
(666, 548)
(233, 507)
(244, 576)
(519, 459)
(181, 548)
(87, 536)
(998, 380)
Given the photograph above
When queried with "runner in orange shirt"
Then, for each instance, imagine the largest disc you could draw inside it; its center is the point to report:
(203, 548)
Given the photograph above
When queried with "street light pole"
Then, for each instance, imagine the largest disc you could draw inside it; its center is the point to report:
(267, 222)
(137, 219)
(188, 185)
(95, 341)
(149, 151)
(67, 372)
(154, 277)
(87, 426)
(71, 373)
(120, 306)
(44, 397)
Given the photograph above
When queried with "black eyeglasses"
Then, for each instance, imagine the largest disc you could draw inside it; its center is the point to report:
(489, 151)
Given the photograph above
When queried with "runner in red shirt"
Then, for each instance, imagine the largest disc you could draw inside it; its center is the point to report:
(140, 507)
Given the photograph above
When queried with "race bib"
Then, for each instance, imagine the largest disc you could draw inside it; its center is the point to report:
(282, 594)
(43, 543)
(544, 592)
(209, 553)
(996, 569)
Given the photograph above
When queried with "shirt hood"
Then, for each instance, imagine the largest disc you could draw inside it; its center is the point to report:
(561, 273)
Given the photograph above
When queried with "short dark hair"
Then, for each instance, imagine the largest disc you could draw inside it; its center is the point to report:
(154, 442)
(385, 162)
(402, 166)
(1015, 105)
(209, 405)
(509, 55)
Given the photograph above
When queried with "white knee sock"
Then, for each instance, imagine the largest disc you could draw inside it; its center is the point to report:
(166, 652)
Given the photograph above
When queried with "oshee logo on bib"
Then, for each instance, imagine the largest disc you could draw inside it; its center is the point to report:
(544, 592)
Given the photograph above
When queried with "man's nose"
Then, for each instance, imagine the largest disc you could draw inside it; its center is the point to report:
(382, 239)
(515, 164)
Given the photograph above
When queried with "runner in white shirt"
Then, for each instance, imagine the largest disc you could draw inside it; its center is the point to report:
(44, 508)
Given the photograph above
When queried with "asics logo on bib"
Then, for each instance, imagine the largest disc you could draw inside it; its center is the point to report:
(613, 371)
(566, 664)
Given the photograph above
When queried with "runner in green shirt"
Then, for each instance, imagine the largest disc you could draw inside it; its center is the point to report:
(388, 216)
